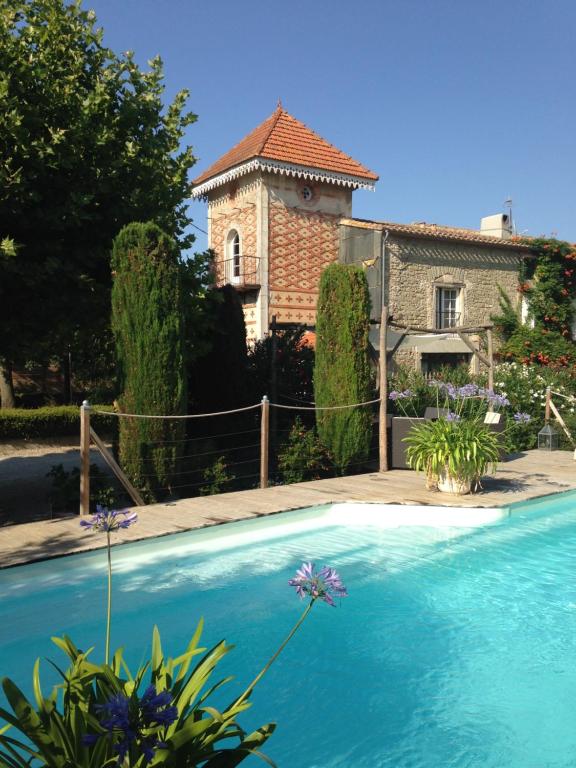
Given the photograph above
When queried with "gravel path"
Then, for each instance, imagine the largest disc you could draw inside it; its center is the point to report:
(24, 487)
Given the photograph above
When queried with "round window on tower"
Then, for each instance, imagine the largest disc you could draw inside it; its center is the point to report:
(307, 194)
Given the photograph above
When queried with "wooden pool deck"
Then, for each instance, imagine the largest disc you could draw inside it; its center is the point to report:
(527, 476)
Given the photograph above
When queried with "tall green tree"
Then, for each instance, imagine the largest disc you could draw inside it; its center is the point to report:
(148, 324)
(86, 146)
(342, 368)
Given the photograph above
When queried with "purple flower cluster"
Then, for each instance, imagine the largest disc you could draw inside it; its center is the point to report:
(324, 585)
(395, 395)
(522, 418)
(451, 416)
(494, 398)
(470, 390)
(109, 519)
(130, 717)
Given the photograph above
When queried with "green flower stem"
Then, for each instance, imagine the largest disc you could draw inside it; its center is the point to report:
(265, 669)
(109, 607)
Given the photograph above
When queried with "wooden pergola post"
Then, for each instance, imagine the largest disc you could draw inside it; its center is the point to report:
(383, 411)
(264, 441)
(85, 458)
(490, 358)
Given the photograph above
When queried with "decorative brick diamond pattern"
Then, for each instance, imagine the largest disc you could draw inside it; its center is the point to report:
(300, 245)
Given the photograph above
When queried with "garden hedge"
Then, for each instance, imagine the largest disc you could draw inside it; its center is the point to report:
(51, 421)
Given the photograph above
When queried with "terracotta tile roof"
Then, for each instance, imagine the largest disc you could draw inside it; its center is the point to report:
(435, 231)
(284, 139)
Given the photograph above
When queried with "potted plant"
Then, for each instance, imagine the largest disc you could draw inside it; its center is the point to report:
(453, 451)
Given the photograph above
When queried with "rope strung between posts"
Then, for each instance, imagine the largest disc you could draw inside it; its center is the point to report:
(187, 416)
(322, 407)
(239, 410)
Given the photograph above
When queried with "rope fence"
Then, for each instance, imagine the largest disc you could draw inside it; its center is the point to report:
(207, 463)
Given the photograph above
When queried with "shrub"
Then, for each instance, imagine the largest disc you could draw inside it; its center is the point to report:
(303, 456)
(52, 421)
(539, 346)
(294, 367)
(216, 478)
(147, 321)
(342, 369)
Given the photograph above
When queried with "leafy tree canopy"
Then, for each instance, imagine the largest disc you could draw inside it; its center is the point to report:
(86, 146)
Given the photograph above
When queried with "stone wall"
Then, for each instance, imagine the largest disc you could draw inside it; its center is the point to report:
(417, 267)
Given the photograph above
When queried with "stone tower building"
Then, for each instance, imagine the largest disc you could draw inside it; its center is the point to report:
(275, 202)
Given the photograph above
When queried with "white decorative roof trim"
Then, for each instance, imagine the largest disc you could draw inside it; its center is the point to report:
(285, 169)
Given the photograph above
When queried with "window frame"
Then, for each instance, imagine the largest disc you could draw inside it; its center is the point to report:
(447, 318)
(234, 256)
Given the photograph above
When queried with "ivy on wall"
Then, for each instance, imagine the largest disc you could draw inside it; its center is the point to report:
(549, 284)
(548, 281)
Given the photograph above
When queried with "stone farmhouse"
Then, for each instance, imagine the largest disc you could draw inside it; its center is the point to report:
(280, 211)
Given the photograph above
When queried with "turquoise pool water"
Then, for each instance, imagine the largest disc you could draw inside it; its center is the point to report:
(456, 647)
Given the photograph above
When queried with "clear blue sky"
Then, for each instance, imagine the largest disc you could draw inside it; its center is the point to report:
(455, 104)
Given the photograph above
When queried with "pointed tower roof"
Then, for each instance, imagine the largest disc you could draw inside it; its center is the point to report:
(282, 144)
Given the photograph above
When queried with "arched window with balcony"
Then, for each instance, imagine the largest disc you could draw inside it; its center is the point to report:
(234, 257)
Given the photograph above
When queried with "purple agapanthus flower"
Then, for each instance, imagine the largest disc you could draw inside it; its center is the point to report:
(494, 398)
(109, 519)
(468, 390)
(324, 585)
(135, 721)
(522, 418)
(395, 395)
(451, 416)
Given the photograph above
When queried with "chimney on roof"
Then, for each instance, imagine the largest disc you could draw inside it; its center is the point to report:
(498, 225)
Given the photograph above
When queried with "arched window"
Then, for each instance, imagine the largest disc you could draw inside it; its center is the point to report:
(234, 256)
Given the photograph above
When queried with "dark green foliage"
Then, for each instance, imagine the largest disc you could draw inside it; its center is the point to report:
(87, 146)
(217, 478)
(50, 732)
(52, 421)
(549, 284)
(219, 378)
(342, 369)
(148, 328)
(553, 285)
(302, 457)
(507, 322)
(294, 367)
(64, 494)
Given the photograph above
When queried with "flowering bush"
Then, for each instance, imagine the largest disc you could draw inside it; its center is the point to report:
(524, 386)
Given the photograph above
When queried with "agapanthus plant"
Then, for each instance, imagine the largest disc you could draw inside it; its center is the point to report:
(107, 521)
(104, 721)
(324, 585)
(133, 724)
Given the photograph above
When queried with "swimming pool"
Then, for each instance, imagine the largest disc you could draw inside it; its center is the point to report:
(455, 648)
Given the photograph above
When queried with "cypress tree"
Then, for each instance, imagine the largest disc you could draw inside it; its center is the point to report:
(147, 322)
(342, 369)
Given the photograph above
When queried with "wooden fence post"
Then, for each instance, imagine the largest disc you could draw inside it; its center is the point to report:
(264, 442)
(547, 408)
(85, 458)
(383, 411)
(490, 358)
